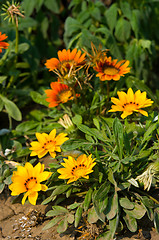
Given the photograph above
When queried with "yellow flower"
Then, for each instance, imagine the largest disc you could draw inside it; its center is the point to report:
(27, 179)
(75, 169)
(130, 102)
(109, 69)
(47, 143)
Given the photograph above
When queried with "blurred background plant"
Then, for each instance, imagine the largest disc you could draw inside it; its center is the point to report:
(37, 30)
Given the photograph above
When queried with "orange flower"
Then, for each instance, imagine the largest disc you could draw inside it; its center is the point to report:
(67, 60)
(3, 44)
(59, 93)
(109, 69)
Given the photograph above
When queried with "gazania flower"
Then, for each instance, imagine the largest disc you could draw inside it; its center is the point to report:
(67, 60)
(59, 93)
(130, 102)
(109, 69)
(75, 169)
(28, 179)
(3, 44)
(47, 143)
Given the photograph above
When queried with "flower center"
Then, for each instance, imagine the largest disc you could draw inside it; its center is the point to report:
(30, 183)
(79, 170)
(49, 144)
(65, 95)
(130, 106)
(111, 71)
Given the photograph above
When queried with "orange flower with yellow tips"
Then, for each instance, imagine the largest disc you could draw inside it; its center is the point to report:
(75, 169)
(28, 179)
(3, 45)
(59, 93)
(130, 102)
(47, 143)
(67, 60)
(109, 69)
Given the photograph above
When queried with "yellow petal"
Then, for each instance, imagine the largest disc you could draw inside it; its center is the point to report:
(33, 197)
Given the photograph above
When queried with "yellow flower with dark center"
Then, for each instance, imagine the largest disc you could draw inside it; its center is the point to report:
(28, 179)
(67, 60)
(3, 45)
(47, 143)
(130, 102)
(59, 93)
(109, 69)
(75, 169)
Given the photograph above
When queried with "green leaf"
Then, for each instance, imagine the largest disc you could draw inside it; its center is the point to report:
(111, 16)
(126, 9)
(77, 119)
(138, 212)
(2, 185)
(70, 218)
(136, 21)
(130, 222)
(118, 133)
(2, 79)
(54, 6)
(156, 219)
(26, 126)
(74, 144)
(148, 132)
(74, 205)
(112, 207)
(128, 160)
(57, 210)
(105, 236)
(71, 26)
(38, 98)
(60, 189)
(126, 203)
(62, 226)
(87, 199)
(11, 108)
(1, 104)
(78, 215)
(96, 123)
(92, 216)
(122, 30)
(91, 131)
(113, 224)
(52, 223)
(28, 7)
(23, 47)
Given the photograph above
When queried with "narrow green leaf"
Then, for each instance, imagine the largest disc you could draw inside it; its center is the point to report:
(92, 216)
(60, 189)
(52, 223)
(87, 199)
(70, 218)
(62, 225)
(126, 203)
(156, 219)
(130, 222)
(78, 215)
(112, 207)
(118, 134)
